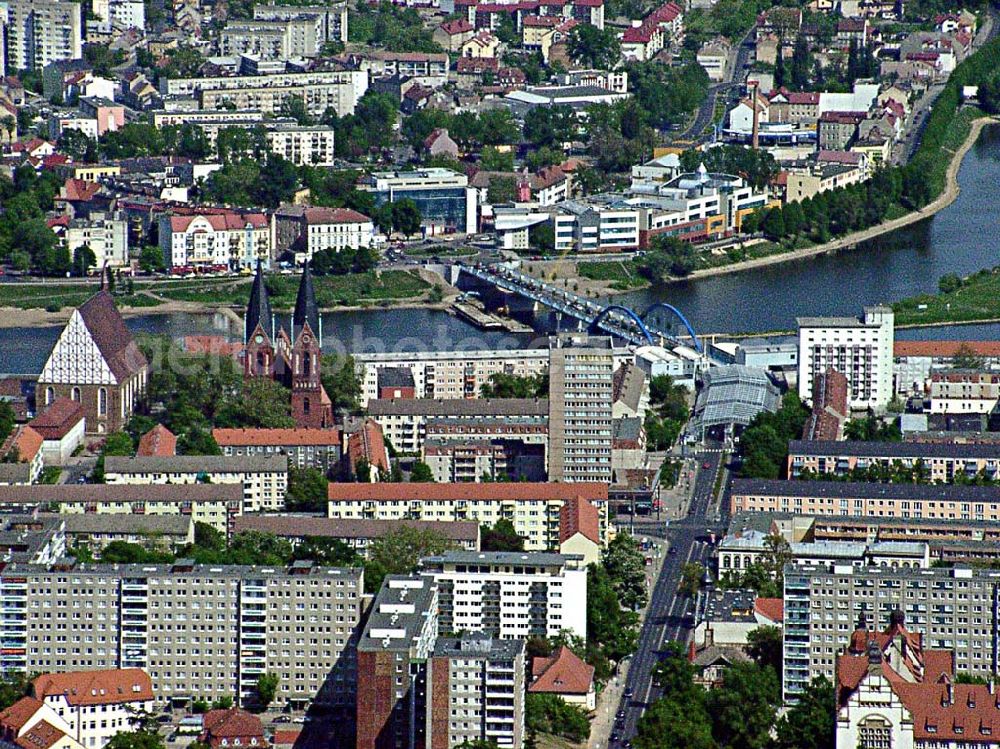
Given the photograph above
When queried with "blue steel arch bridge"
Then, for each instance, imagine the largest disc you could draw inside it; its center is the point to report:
(615, 319)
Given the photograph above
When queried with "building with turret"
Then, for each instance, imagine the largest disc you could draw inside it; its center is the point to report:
(291, 357)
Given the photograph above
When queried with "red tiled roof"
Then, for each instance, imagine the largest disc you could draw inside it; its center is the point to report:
(261, 437)
(945, 348)
(839, 157)
(108, 687)
(541, 21)
(112, 338)
(334, 216)
(514, 491)
(17, 715)
(477, 64)
(228, 221)
(42, 735)
(286, 737)
(58, 419)
(561, 673)
(459, 26)
(158, 441)
(79, 189)
(368, 443)
(27, 441)
(577, 515)
(772, 608)
(231, 724)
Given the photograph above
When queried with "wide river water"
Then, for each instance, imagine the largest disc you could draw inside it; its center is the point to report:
(962, 238)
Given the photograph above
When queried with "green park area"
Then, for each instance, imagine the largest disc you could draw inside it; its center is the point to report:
(969, 299)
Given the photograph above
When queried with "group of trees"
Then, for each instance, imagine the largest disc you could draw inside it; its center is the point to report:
(371, 126)
(666, 95)
(501, 536)
(251, 182)
(764, 443)
(389, 27)
(503, 385)
(26, 241)
(667, 413)
(615, 588)
(872, 428)
(668, 257)
(551, 714)
(757, 167)
(739, 713)
(493, 127)
(339, 262)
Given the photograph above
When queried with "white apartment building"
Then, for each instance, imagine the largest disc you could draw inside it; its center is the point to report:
(224, 241)
(336, 229)
(449, 374)
(595, 226)
(214, 504)
(533, 508)
(264, 477)
(429, 68)
(330, 20)
(106, 235)
(964, 392)
(127, 14)
(303, 145)
(95, 705)
(271, 40)
(42, 31)
(153, 617)
(339, 89)
(510, 595)
(859, 348)
(581, 396)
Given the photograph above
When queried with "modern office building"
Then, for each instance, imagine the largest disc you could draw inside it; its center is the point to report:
(42, 31)
(581, 396)
(859, 348)
(200, 632)
(446, 201)
(865, 499)
(953, 609)
(940, 461)
(510, 594)
(533, 508)
(477, 687)
(449, 374)
(264, 478)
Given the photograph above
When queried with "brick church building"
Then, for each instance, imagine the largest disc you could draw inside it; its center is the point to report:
(292, 357)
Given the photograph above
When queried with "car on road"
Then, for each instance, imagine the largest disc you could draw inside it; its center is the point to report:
(283, 719)
(628, 693)
(673, 550)
(706, 465)
(165, 719)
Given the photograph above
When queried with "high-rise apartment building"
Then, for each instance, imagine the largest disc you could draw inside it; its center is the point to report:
(581, 394)
(858, 347)
(42, 31)
(953, 609)
(198, 631)
(476, 683)
(510, 594)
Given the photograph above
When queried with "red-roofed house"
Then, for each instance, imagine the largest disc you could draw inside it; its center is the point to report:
(226, 729)
(334, 229)
(644, 39)
(305, 448)
(580, 529)
(893, 692)
(565, 675)
(451, 35)
(440, 143)
(368, 444)
(31, 724)
(157, 442)
(62, 426)
(24, 445)
(35, 148)
(769, 611)
(95, 705)
(227, 240)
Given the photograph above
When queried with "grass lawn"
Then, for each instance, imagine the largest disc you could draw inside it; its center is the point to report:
(622, 273)
(977, 299)
(25, 296)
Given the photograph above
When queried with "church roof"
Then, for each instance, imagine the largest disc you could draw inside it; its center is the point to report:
(259, 308)
(306, 309)
(111, 336)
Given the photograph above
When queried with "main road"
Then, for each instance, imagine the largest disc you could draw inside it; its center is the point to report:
(666, 617)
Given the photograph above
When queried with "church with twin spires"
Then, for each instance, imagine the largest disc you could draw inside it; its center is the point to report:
(291, 357)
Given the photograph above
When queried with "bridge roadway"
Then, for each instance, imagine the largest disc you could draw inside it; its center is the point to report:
(614, 320)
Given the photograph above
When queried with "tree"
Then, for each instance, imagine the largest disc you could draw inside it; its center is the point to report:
(151, 259)
(774, 224)
(626, 566)
(503, 385)
(671, 724)
(989, 95)
(594, 47)
(493, 160)
(222, 703)
(743, 709)
(764, 443)
(406, 217)
(500, 537)
(966, 358)
(327, 552)
(307, 490)
(765, 647)
(83, 260)
(135, 740)
(399, 551)
(7, 421)
(802, 64)
(295, 107)
(811, 722)
(267, 688)
(549, 713)
(542, 237)
(421, 473)
(13, 686)
(77, 145)
(609, 627)
(691, 574)
(341, 382)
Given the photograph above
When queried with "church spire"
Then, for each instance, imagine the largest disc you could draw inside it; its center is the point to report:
(259, 308)
(306, 309)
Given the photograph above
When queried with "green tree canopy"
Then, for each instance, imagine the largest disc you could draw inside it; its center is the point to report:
(501, 536)
(398, 552)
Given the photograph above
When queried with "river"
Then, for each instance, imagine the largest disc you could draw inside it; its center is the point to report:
(962, 238)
